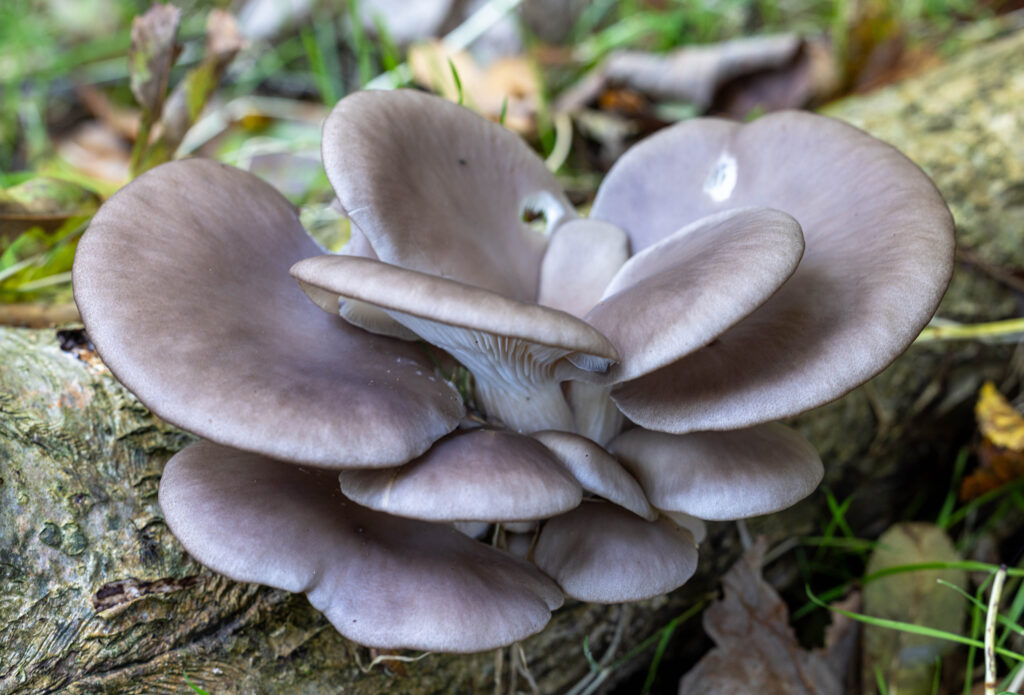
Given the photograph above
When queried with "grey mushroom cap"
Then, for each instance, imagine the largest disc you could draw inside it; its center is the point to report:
(721, 475)
(581, 258)
(597, 471)
(481, 475)
(695, 526)
(681, 293)
(602, 553)
(361, 314)
(458, 305)
(436, 188)
(514, 349)
(878, 257)
(382, 581)
(182, 281)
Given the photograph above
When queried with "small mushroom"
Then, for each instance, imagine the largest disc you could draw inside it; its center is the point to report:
(597, 471)
(721, 475)
(513, 348)
(481, 475)
(520, 544)
(697, 528)
(602, 553)
(680, 294)
(366, 316)
(382, 581)
(580, 260)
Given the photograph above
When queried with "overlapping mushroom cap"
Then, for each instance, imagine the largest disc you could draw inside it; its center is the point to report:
(629, 366)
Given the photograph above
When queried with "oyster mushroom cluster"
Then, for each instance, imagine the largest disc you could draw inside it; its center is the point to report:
(628, 366)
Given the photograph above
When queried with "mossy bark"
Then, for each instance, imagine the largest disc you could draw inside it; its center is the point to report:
(97, 597)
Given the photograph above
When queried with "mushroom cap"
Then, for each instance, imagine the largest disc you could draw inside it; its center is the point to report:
(595, 415)
(455, 304)
(696, 73)
(697, 528)
(581, 258)
(602, 553)
(439, 189)
(879, 254)
(182, 281)
(514, 349)
(361, 314)
(721, 475)
(382, 581)
(480, 475)
(681, 293)
(597, 471)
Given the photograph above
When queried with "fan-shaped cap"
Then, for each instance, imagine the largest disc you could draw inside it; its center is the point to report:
(681, 293)
(437, 299)
(879, 251)
(361, 314)
(595, 415)
(381, 580)
(481, 475)
(581, 258)
(437, 188)
(597, 471)
(513, 348)
(182, 281)
(600, 552)
(721, 475)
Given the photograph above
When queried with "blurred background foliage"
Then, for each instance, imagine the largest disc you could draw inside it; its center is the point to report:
(68, 115)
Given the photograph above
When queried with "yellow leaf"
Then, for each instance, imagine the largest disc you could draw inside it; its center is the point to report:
(999, 421)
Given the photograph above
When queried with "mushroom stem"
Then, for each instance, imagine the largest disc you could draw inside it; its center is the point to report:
(595, 416)
(524, 407)
(516, 382)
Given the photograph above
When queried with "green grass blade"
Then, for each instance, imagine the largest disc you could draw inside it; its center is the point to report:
(195, 688)
(360, 43)
(1014, 613)
(911, 628)
(960, 514)
(659, 653)
(318, 67)
(458, 80)
(943, 520)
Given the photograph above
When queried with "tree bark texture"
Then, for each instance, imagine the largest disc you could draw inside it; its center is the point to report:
(96, 596)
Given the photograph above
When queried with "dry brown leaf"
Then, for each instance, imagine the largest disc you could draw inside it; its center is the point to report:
(152, 53)
(122, 120)
(509, 83)
(190, 95)
(223, 37)
(97, 151)
(757, 652)
(996, 467)
(735, 77)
